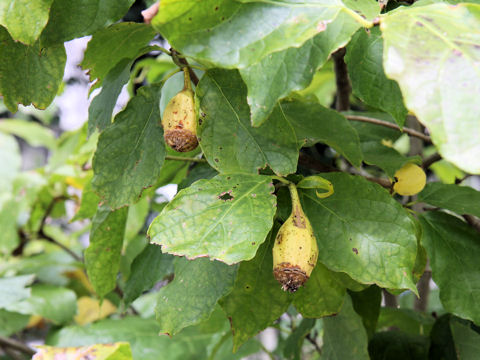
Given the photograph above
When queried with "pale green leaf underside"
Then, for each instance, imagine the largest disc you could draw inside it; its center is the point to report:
(453, 249)
(282, 72)
(433, 53)
(229, 142)
(221, 32)
(225, 218)
(363, 231)
(24, 19)
(14, 289)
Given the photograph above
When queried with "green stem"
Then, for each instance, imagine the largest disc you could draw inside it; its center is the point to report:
(364, 22)
(294, 195)
(171, 74)
(197, 67)
(281, 179)
(164, 50)
(182, 158)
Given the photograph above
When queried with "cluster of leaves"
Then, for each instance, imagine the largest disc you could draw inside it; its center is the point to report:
(264, 99)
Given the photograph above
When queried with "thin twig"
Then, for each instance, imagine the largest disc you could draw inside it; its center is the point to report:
(42, 235)
(182, 61)
(181, 158)
(314, 343)
(17, 345)
(423, 286)
(389, 125)
(430, 160)
(343, 82)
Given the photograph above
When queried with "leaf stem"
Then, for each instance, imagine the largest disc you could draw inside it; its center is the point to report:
(168, 76)
(281, 179)
(182, 158)
(390, 125)
(17, 345)
(364, 22)
(186, 79)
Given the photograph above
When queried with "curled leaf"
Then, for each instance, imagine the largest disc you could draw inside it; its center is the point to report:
(317, 182)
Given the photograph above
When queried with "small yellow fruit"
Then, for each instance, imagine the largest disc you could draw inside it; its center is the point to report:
(179, 120)
(410, 179)
(295, 251)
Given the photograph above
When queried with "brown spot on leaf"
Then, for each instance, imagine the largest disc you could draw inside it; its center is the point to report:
(226, 196)
(355, 250)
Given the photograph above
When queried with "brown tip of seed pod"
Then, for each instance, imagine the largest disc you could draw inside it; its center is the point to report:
(290, 276)
(181, 140)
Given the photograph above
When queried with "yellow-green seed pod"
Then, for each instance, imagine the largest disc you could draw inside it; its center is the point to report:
(179, 119)
(295, 251)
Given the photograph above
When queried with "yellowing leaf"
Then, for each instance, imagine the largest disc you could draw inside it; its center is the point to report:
(80, 275)
(89, 310)
(115, 351)
(35, 321)
(74, 182)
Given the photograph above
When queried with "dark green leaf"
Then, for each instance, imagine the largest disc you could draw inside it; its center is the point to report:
(396, 345)
(192, 295)
(359, 227)
(69, 20)
(199, 171)
(282, 72)
(314, 123)
(102, 257)
(226, 136)
(14, 289)
(24, 19)
(148, 268)
(89, 203)
(109, 46)
(439, 85)
(225, 218)
(407, 320)
(467, 341)
(369, 83)
(453, 249)
(101, 108)
(209, 30)
(257, 299)
(29, 74)
(131, 151)
(460, 199)
(344, 336)
(366, 303)
(55, 303)
(321, 295)
(441, 339)
(294, 342)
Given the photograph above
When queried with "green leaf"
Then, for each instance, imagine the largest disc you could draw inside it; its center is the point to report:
(148, 268)
(209, 30)
(321, 295)
(192, 295)
(314, 123)
(225, 218)
(198, 172)
(115, 351)
(396, 345)
(385, 157)
(317, 182)
(12, 322)
(55, 303)
(101, 108)
(453, 249)
(11, 160)
(439, 85)
(294, 342)
(367, 303)
(467, 340)
(23, 19)
(369, 8)
(70, 20)
(460, 199)
(142, 334)
(29, 74)
(406, 320)
(88, 204)
(33, 133)
(257, 299)
(282, 72)
(441, 339)
(359, 227)
(228, 141)
(111, 45)
(130, 152)
(102, 257)
(369, 83)
(14, 289)
(9, 212)
(344, 336)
